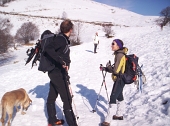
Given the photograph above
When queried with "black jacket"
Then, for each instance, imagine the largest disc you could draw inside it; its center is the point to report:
(58, 50)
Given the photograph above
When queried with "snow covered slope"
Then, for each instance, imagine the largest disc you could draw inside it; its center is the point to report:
(142, 37)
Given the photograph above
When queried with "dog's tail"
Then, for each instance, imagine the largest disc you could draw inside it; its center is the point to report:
(0, 109)
(0, 112)
(3, 111)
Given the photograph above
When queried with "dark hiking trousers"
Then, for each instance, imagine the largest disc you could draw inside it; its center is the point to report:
(95, 47)
(117, 91)
(58, 85)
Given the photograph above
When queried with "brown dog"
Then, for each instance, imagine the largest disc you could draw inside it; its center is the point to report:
(13, 99)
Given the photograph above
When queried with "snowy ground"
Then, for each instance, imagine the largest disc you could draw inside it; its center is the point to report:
(147, 109)
(140, 35)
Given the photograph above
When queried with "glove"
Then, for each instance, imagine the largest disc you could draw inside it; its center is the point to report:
(67, 78)
(61, 61)
(108, 63)
(109, 67)
(102, 68)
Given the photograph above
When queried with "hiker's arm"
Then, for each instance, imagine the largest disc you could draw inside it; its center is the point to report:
(55, 56)
(54, 50)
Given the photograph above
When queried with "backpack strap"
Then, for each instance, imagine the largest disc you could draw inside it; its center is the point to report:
(64, 38)
(45, 38)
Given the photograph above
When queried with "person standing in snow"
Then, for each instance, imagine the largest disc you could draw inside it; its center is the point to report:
(96, 42)
(116, 104)
(59, 51)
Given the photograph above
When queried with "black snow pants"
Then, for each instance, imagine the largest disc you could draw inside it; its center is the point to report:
(59, 85)
(117, 91)
(95, 47)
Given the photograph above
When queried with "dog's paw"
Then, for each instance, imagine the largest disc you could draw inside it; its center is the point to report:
(23, 113)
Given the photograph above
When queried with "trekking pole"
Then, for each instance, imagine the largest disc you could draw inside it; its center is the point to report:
(73, 102)
(67, 85)
(140, 79)
(71, 92)
(104, 75)
(105, 86)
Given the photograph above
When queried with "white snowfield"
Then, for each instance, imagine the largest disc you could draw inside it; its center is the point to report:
(142, 37)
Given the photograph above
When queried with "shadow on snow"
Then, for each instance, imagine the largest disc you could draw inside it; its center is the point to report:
(41, 91)
(92, 97)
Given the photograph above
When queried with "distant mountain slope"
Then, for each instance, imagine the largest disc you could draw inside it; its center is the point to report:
(75, 9)
(49, 14)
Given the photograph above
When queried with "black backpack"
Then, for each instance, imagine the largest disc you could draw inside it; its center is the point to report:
(131, 69)
(38, 53)
(46, 63)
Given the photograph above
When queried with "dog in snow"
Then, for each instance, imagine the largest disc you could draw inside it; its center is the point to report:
(13, 99)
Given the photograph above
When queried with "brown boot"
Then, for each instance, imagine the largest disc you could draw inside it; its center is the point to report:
(117, 117)
(105, 124)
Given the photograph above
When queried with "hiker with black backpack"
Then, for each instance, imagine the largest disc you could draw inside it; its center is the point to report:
(116, 103)
(57, 51)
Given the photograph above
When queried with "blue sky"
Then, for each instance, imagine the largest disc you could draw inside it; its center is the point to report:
(144, 7)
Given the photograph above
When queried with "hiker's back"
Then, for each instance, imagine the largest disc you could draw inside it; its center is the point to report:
(46, 63)
(55, 48)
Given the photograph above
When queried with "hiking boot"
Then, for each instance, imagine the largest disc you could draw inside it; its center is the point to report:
(117, 117)
(105, 124)
(57, 123)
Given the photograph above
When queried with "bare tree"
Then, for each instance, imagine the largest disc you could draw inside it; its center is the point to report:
(166, 14)
(164, 18)
(5, 25)
(108, 30)
(27, 33)
(75, 38)
(6, 40)
(2, 2)
(159, 22)
(64, 15)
